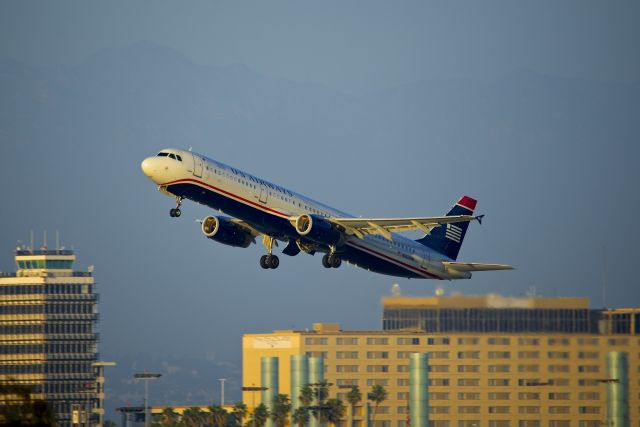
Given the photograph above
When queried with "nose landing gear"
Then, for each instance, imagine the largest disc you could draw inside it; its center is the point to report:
(176, 212)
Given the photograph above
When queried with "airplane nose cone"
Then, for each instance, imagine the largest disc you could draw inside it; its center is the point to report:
(147, 167)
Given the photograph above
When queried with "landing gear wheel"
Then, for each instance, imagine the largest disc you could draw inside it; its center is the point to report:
(263, 261)
(325, 261)
(335, 261)
(273, 261)
(175, 213)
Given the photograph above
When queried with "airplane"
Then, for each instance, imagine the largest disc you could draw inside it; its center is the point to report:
(260, 209)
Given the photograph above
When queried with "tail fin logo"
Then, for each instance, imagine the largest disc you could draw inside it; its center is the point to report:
(454, 233)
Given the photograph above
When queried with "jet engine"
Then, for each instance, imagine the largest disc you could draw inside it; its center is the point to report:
(225, 231)
(319, 230)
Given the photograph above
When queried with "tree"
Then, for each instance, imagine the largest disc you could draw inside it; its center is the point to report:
(193, 417)
(301, 416)
(25, 411)
(110, 423)
(280, 410)
(306, 395)
(333, 411)
(237, 414)
(217, 416)
(168, 418)
(260, 415)
(377, 395)
(354, 396)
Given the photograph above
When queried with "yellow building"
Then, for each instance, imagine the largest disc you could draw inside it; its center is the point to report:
(494, 361)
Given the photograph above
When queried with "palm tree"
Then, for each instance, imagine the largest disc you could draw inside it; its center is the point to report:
(306, 395)
(218, 416)
(169, 417)
(377, 395)
(353, 397)
(333, 412)
(280, 410)
(260, 415)
(301, 416)
(237, 414)
(193, 417)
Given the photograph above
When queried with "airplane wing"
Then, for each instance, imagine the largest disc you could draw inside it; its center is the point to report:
(475, 266)
(384, 226)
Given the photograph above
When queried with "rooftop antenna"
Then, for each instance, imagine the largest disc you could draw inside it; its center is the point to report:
(604, 276)
(44, 242)
(31, 241)
(57, 240)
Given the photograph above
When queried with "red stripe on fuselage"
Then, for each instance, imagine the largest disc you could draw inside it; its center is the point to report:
(220, 190)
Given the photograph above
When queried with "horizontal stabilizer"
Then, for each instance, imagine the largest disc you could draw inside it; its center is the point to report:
(475, 266)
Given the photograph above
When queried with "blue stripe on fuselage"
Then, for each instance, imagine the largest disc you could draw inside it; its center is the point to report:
(280, 227)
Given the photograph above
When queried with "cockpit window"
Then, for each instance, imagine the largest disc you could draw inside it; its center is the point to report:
(179, 158)
(172, 156)
(163, 154)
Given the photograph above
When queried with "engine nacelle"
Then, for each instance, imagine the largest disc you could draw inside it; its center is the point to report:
(318, 229)
(225, 231)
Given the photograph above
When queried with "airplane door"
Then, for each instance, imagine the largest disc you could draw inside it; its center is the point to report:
(197, 166)
(264, 193)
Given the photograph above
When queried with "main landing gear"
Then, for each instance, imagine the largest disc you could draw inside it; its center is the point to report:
(176, 212)
(269, 261)
(331, 260)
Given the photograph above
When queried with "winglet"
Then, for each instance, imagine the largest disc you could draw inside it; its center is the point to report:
(479, 218)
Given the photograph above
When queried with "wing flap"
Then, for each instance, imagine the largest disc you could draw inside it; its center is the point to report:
(384, 226)
(475, 266)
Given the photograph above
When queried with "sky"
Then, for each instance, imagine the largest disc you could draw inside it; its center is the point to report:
(381, 109)
(355, 47)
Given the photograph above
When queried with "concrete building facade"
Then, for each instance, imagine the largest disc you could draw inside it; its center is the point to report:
(48, 338)
(538, 372)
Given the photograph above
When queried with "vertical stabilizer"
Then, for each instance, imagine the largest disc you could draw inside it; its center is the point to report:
(447, 239)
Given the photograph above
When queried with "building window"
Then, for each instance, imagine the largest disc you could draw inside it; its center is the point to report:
(588, 355)
(558, 355)
(346, 355)
(408, 341)
(559, 423)
(402, 368)
(402, 395)
(528, 368)
(528, 354)
(437, 423)
(588, 368)
(438, 409)
(559, 409)
(438, 341)
(468, 368)
(559, 396)
(528, 423)
(438, 395)
(558, 368)
(498, 395)
(468, 355)
(468, 410)
(468, 423)
(528, 396)
(468, 396)
(347, 341)
(346, 368)
(499, 368)
(468, 382)
(528, 341)
(346, 381)
(499, 423)
(499, 409)
(377, 368)
(377, 341)
(377, 381)
(528, 409)
(498, 382)
(558, 341)
(316, 341)
(439, 382)
(438, 368)
(588, 395)
(402, 382)
(438, 355)
(498, 341)
(377, 354)
(468, 341)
